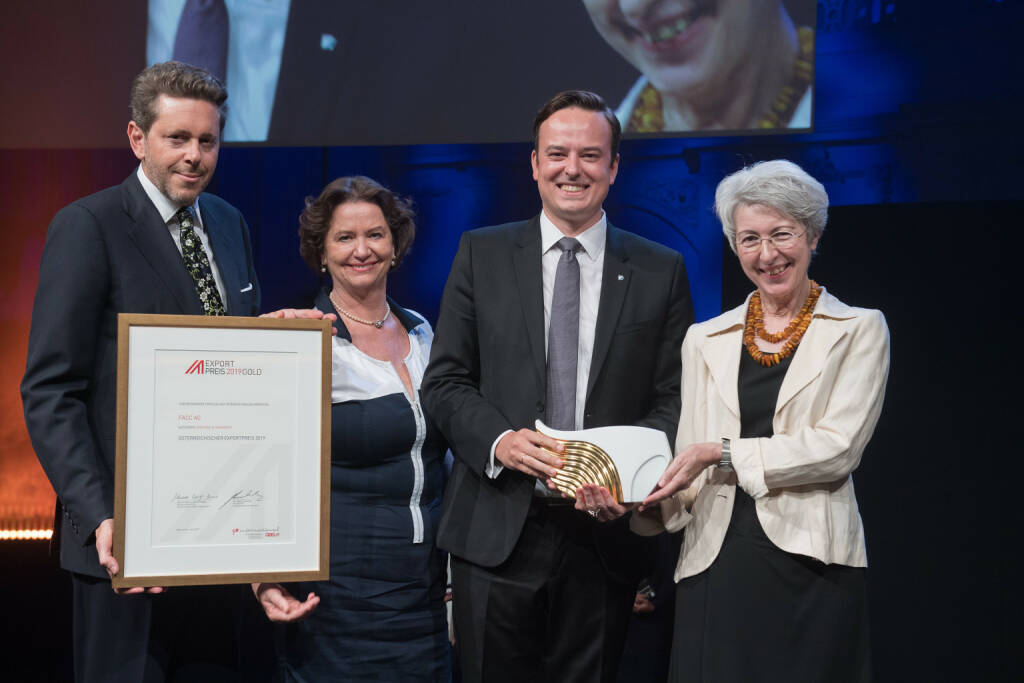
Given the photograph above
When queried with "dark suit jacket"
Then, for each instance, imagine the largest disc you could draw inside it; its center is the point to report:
(106, 254)
(414, 72)
(487, 367)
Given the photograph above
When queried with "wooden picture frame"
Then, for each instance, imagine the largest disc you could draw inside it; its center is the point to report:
(222, 472)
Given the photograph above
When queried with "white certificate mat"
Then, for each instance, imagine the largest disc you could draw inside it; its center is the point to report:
(222, 450)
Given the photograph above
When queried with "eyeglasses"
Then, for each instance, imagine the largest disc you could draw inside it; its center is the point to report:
(780, 239)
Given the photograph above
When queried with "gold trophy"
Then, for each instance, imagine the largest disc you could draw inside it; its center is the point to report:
(626, 460)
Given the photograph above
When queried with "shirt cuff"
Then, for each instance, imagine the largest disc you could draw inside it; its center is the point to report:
(492, 469)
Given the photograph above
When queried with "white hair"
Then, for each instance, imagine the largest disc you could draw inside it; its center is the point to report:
(780, 185)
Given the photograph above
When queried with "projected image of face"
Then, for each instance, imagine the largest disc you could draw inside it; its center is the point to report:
(573, 167)
(179, 153)
(711, 61)
(682, 45)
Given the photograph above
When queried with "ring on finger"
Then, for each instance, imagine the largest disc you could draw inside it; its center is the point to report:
(592, 512)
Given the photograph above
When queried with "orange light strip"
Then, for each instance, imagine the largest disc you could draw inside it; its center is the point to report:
(25, 534)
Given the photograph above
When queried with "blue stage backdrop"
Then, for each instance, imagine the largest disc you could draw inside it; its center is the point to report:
(456, 188)
(900, 116)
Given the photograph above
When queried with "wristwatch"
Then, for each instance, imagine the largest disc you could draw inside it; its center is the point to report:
(725, 464)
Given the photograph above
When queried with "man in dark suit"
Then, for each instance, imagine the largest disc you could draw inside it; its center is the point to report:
(125, 249)
(565, 318)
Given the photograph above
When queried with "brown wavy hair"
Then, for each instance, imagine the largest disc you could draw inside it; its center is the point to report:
(174, 79)
(315, 220)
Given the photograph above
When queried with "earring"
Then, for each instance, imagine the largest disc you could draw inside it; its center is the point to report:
(323, 268)
(392, 263)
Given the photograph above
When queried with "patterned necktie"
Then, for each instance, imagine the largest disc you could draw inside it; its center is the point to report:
(202, 37)
(198, 265)
(564, 339)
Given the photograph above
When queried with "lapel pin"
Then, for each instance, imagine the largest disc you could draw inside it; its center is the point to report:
(621, 278)
(328, 42)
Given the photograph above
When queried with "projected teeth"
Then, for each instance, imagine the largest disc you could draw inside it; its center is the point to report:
(668, 31)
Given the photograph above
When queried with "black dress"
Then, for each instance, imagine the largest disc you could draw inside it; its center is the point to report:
(381, 616)
(759, 613)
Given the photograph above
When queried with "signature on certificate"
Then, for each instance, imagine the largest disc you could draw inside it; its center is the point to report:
(244, 498)
(193, 500)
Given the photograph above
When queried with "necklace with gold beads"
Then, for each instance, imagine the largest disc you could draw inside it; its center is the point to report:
(648, 113)
(794, 332)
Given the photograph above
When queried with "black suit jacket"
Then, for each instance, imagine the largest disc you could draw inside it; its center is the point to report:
(487, 366)
(414, 72)
(373, 85)
(106, 254)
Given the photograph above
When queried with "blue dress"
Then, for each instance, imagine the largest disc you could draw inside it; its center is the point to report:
(381, 616)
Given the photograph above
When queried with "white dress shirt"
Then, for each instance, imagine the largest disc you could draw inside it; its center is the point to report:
(166, 208)
(256, 33)
(591, 261)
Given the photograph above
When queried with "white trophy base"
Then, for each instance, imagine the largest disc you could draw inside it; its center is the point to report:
(640, 454)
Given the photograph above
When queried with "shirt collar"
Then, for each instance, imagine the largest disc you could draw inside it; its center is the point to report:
(164, 206)
(592, 239)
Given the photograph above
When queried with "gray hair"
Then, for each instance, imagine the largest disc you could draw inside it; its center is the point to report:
(780, 185)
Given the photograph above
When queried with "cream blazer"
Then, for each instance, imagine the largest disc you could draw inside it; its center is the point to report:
(800, 478)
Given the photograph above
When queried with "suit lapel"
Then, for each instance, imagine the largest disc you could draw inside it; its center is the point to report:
(721, 352)
(615, 278)
(214, 224)
(154, 242)
(529, 280)
(830, 324)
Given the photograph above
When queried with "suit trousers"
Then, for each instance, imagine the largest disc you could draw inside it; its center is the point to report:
(550, 612)
(184, 634)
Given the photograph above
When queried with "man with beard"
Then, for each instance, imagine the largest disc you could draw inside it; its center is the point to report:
(154, 244)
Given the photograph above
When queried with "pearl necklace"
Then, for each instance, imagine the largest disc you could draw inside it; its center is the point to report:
(376, 323)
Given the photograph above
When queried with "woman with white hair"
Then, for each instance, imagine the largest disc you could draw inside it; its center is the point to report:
(779, 398)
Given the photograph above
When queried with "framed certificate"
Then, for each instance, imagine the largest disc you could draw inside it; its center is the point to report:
(223, 450)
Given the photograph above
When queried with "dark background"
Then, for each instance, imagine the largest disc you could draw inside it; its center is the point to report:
(918, 143)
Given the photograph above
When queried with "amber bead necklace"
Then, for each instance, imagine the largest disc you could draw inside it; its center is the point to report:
(648, 114)
(792, 335)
